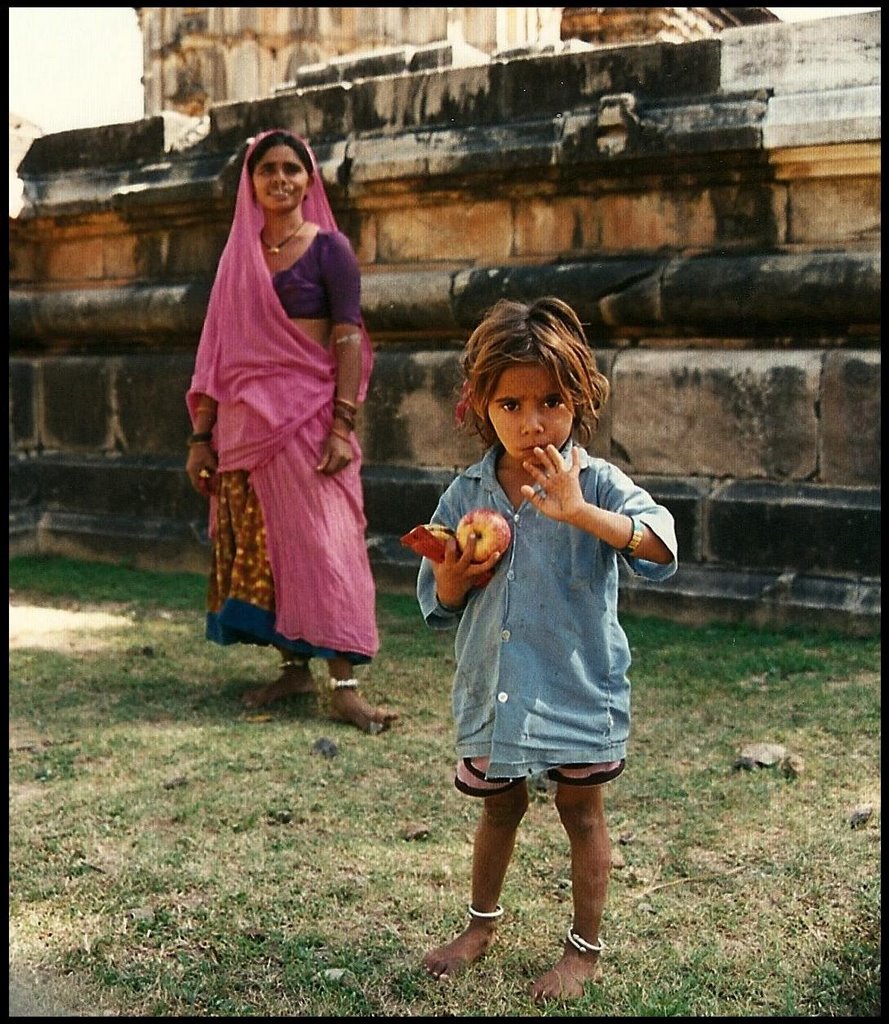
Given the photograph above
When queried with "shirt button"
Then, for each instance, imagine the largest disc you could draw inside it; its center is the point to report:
(502, 697)
(505, 635)
(510, 575)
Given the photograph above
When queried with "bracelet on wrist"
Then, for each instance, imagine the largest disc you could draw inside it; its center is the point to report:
(342, 437)
(635, 538)
(200, 437)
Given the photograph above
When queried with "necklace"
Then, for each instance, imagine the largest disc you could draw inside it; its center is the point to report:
(275, 249)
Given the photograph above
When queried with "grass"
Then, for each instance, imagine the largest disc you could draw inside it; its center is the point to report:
(174, 855)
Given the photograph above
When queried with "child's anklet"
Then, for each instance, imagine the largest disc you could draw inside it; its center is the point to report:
(582, 946)
(486, 915)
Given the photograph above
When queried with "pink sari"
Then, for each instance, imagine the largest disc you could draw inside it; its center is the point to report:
(275, 386)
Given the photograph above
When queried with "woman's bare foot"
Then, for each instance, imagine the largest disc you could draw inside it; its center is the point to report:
(567, 979)
(444, 962)
(348, 705)
(294, 680)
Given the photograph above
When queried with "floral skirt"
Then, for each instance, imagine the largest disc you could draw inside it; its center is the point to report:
(241, 592)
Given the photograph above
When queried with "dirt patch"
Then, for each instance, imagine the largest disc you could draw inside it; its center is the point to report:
(60, 629)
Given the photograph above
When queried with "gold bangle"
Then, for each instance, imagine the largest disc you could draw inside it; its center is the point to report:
(635, 539)
(342, 437)
(351, 406)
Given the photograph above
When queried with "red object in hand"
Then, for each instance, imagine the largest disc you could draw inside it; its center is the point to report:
(428, 540)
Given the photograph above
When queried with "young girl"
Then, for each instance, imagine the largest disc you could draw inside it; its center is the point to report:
(541, 681)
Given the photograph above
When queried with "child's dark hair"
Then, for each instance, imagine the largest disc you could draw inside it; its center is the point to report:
(546, 332)
(281, 138)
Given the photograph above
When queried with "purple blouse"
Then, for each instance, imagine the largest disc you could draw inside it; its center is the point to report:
(325, 282)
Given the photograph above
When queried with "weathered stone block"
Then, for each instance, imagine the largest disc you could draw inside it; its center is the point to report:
(156, 544)
(90, 147)
(417, 493)
(851, 415)
(646, 221)
(22, 404)
(120, 256)
(409, 413)
(837, 117)
(75, 404)
(150, 402)
(790, 58)
(685, 499)
(470, 230)
(804, 528)
(761, 294)
(407, 302)
(119, 486)
(844, 211)
(719, 414)
(72, 262)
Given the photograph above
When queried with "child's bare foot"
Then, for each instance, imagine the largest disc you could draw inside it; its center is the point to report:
(293, 681)
(349, 706)
(445, 961)
(569, 976)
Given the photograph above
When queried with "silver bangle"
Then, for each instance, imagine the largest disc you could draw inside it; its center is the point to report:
(486, 915)
(582, 946)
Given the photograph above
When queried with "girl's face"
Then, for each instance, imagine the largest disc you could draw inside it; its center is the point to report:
(280, 180)
(527, 411)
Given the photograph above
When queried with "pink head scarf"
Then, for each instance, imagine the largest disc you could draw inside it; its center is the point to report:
(251, 357)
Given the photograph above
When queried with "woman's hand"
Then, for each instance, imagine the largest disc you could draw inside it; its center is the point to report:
(337, 454)
(201, 469)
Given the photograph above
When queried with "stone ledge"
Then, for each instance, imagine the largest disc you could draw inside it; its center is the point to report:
(821, 118)
(795, 527)
(827, 291)
(698, 595)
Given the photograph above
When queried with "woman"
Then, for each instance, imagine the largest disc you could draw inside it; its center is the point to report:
(282, 366)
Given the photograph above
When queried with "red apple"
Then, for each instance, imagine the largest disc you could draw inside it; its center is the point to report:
(490, 529)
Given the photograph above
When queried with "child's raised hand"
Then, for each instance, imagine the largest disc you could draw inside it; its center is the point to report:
(557, 493)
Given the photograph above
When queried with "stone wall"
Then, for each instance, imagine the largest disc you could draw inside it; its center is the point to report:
(712, 209)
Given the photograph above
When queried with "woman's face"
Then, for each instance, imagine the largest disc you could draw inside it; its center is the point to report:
(527, 411)
(280, 180)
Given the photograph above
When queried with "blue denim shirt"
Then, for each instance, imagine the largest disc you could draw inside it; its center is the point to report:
(542, 660)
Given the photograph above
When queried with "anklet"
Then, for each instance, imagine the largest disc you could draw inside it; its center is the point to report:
(486, 915)
(343, 684)
(582, 946)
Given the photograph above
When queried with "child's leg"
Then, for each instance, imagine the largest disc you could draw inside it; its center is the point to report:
(582, 811)
(494, 842)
